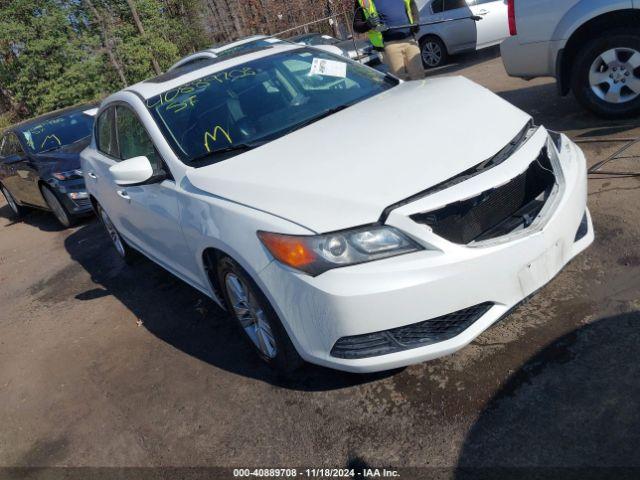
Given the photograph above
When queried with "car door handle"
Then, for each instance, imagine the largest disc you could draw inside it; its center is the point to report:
(483, 12)
(124, 194)
(92, 175)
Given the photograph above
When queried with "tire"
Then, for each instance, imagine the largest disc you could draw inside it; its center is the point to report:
(606, 74)
(16, 210)
(259, 324)
(433, 52)
(124, 251)
(57, 208)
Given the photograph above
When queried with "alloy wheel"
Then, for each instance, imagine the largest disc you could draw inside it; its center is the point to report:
(113, 233)
(12, 203)
(252, 317)
(613, 76)
(56, 206)
(432, 54)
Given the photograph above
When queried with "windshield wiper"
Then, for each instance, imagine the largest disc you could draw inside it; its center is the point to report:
(324, 114)
(238, 147)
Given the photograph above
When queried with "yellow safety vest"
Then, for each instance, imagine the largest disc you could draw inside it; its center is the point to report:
(369, 9)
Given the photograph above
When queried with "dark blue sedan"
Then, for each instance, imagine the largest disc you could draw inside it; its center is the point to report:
(40, 164)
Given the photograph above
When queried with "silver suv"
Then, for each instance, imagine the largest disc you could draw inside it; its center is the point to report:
(592, 47)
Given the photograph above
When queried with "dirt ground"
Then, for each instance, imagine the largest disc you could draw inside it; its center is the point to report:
(107, 365)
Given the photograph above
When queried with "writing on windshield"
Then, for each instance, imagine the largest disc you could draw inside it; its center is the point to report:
(259, 101)
(57, 132)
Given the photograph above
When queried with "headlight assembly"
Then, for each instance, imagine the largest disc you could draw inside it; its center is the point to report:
(68, 175)
(318, 253)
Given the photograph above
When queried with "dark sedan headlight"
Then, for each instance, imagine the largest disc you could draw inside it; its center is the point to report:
(318, 253)
(68, 175)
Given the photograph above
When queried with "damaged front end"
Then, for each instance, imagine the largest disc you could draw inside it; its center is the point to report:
(495, 200)
(498, 211)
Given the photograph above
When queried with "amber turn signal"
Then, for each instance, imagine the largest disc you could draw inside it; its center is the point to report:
(288, 249)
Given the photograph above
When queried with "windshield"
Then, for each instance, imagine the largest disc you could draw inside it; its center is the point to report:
(259, 101)
(265, 42)
(57, 132)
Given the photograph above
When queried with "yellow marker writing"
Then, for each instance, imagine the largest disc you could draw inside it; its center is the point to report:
(214, 136)
(50, 137)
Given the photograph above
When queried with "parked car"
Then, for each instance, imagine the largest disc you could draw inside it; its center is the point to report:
(360, 50)
(237, 48)
(255, 180)
(229, 49)
(437, 42)
(591, 47)
(40, 164)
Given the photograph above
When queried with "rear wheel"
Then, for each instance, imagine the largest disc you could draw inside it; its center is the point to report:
(255, 316)
(16, 209)
(433, 51)
(125, 252)
(61, 214)
(606, 75)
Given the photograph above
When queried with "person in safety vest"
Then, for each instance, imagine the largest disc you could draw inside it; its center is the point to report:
(401, 52)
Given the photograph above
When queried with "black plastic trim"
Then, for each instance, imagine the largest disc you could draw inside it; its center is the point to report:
(409, 337)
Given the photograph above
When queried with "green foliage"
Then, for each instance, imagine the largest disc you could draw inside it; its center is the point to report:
(47, 61)
(55, 53)
(5, 121)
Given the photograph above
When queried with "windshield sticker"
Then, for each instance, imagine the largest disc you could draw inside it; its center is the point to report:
(328, 68)
(214, 136)
(27, 135)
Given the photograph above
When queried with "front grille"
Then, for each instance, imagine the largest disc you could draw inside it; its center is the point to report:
(412, 336)
(495, 212)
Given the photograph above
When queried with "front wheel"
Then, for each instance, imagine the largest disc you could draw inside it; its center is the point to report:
(16, 209)
(61, 214)
(256, 318)
(433, 52)
(606, 74)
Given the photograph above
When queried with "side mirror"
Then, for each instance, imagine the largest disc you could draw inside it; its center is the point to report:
(133, 171)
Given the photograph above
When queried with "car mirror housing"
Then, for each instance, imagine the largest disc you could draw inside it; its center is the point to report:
(133, 171)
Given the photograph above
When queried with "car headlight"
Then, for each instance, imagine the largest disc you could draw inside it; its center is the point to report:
(318, 253)
(68, 175)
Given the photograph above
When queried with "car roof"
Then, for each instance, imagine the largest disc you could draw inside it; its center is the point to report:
(181, 75)
(48, 116)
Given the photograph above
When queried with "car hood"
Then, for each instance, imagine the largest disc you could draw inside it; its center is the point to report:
(344, 170)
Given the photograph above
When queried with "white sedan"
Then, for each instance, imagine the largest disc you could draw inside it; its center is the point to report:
(341, 216)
